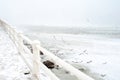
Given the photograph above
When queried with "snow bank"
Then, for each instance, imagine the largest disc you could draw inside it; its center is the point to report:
(12, 66)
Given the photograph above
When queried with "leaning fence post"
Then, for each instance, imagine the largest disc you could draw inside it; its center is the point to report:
(36, 59)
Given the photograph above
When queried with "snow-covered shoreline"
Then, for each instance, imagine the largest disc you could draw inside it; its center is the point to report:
(97, 55)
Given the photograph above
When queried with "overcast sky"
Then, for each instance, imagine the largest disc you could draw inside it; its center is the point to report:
(61, 12)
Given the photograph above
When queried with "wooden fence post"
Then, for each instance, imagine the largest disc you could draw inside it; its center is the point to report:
(36, 59)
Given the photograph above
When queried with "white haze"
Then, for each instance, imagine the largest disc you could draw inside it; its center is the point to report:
(61, 12)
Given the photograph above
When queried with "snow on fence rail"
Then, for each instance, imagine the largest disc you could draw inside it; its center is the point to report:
(33, 61)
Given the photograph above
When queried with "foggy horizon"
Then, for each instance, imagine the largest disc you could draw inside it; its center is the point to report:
(87, 13)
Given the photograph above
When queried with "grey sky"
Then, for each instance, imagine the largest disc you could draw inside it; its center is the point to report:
(61, 12)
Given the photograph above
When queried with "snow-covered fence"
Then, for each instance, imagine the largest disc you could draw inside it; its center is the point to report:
(32, 58)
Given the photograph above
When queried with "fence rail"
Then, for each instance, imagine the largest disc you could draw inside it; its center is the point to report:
(33, 59)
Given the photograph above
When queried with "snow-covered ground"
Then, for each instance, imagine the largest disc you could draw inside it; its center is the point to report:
(96, 55)
(12, 67)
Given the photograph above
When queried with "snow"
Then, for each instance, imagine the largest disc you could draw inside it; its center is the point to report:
(95, 55)
(12, 67)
